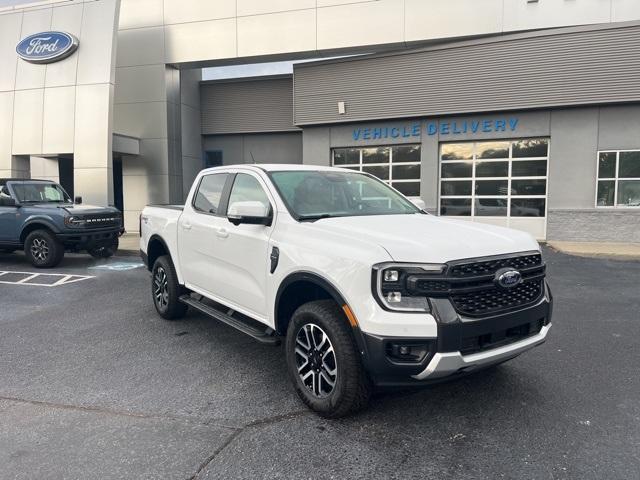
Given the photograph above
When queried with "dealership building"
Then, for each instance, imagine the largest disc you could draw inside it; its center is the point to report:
(511, 112)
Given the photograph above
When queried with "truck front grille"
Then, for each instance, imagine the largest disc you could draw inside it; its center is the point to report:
(471, 287)
(493, 299)
(102, 220)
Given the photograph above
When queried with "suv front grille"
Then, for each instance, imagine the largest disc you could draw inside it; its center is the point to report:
(102, 220)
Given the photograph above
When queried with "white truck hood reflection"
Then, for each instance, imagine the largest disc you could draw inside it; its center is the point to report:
(429, 239)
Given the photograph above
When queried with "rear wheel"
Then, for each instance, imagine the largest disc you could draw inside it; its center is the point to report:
(106, 251)
(323, 361)
(166, 290)
(43, 249)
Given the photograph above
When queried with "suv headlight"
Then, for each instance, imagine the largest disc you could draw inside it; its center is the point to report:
(74, 221)
(394, 285)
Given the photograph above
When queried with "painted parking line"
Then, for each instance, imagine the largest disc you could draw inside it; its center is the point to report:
(40, 279)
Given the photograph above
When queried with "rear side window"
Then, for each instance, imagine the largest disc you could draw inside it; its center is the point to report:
(247, 189)
(209, 193)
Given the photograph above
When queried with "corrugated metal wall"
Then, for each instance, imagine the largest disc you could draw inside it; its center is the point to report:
(556, 68)
(247, 106)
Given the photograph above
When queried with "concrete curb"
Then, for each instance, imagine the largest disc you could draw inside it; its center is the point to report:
(619, 251)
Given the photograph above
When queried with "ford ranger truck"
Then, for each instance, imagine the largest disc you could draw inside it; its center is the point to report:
(366, 289)
(40, 217)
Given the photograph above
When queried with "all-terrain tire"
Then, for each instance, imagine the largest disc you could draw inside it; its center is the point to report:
(166, 291)
(43, 249)
(352, 387)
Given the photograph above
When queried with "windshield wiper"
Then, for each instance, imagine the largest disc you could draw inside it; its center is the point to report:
(316, 216)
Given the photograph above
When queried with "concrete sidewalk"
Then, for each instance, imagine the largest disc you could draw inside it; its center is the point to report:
(598, 249)
(129, 244)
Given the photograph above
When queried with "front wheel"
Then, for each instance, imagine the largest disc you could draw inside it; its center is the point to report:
(166, 290)
(106, 251)
(43, 249)
(323, 361)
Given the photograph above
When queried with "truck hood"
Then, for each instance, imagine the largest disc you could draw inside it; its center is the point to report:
(430, 239)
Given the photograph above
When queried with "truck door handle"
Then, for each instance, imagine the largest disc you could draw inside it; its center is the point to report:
(222, 233)
(186, 226)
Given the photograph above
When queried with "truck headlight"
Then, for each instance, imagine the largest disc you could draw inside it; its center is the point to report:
(74, 221)
(393, 285)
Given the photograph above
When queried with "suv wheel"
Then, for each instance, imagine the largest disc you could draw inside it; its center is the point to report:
(166, 290)
(105, 252)
(323, 361)
(43, 249)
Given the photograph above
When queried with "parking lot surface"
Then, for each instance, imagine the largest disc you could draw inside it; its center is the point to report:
(93, 384)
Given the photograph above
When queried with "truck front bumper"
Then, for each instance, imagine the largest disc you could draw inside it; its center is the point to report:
(463, 345)
(85, 240)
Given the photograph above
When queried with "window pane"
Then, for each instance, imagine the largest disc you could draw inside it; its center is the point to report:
(455, 207)
(629, 165)
(529, 168)
(346, 156)
(406, 153)
(247, 189)
(607, 165)
(375, 155)
(209, 193)
(455, 188)
(382, 172)
(536, 147)
(457, 170)
(406, 172)
(491, 187)
(410, 189)
(528, 187)
(457, 151)
(491, 207)
(492, 169)
(606, 192)
(492, 149)
(527, 207)
(629, 193)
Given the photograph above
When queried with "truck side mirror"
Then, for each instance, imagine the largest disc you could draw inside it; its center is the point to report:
(252, 212)
(7, 202)
(78, 200)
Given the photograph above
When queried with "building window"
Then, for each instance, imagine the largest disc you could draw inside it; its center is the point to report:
(618, 179)
(398, 166)
(213, 159)
(502, 178)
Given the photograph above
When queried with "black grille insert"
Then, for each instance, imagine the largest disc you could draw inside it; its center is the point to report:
(495, 299)
(486, 267)
(499, 338)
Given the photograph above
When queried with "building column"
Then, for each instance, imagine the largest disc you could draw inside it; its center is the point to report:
(45, 169)
(14, 166)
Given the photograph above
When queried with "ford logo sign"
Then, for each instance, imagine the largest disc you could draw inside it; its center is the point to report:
(47, 47)
(508, 277)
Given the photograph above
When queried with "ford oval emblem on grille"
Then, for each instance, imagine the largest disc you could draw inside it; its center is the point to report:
(508, 277)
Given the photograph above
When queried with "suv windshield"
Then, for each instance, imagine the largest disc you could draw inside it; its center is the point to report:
(40, 192)
(317, 194)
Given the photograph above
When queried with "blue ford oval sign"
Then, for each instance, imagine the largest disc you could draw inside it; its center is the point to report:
(47, 47)
(508, 277)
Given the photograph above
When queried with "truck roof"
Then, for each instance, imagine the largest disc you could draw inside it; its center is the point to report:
(275, 167)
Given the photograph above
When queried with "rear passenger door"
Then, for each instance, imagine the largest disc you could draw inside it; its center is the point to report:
(198, 232)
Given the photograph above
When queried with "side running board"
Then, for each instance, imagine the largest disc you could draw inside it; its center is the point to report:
(266, 336)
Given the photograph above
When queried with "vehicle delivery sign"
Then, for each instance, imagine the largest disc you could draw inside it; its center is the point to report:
(47, 47)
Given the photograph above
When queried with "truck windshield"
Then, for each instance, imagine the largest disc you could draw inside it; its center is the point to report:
(39, 192)
(315, 194)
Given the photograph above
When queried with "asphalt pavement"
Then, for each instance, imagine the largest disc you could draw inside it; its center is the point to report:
(93, 384)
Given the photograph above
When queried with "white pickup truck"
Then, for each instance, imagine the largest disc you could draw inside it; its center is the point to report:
(368, 289)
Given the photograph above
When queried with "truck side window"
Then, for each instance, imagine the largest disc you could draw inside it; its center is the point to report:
(207, 198)
(247, 189)
(4, 192)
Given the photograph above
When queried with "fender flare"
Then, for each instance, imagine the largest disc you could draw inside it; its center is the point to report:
(158, 238)
(44, 221)
(335, 294)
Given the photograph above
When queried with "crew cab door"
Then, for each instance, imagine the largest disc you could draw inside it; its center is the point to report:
(198, 228)
(242, 253)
